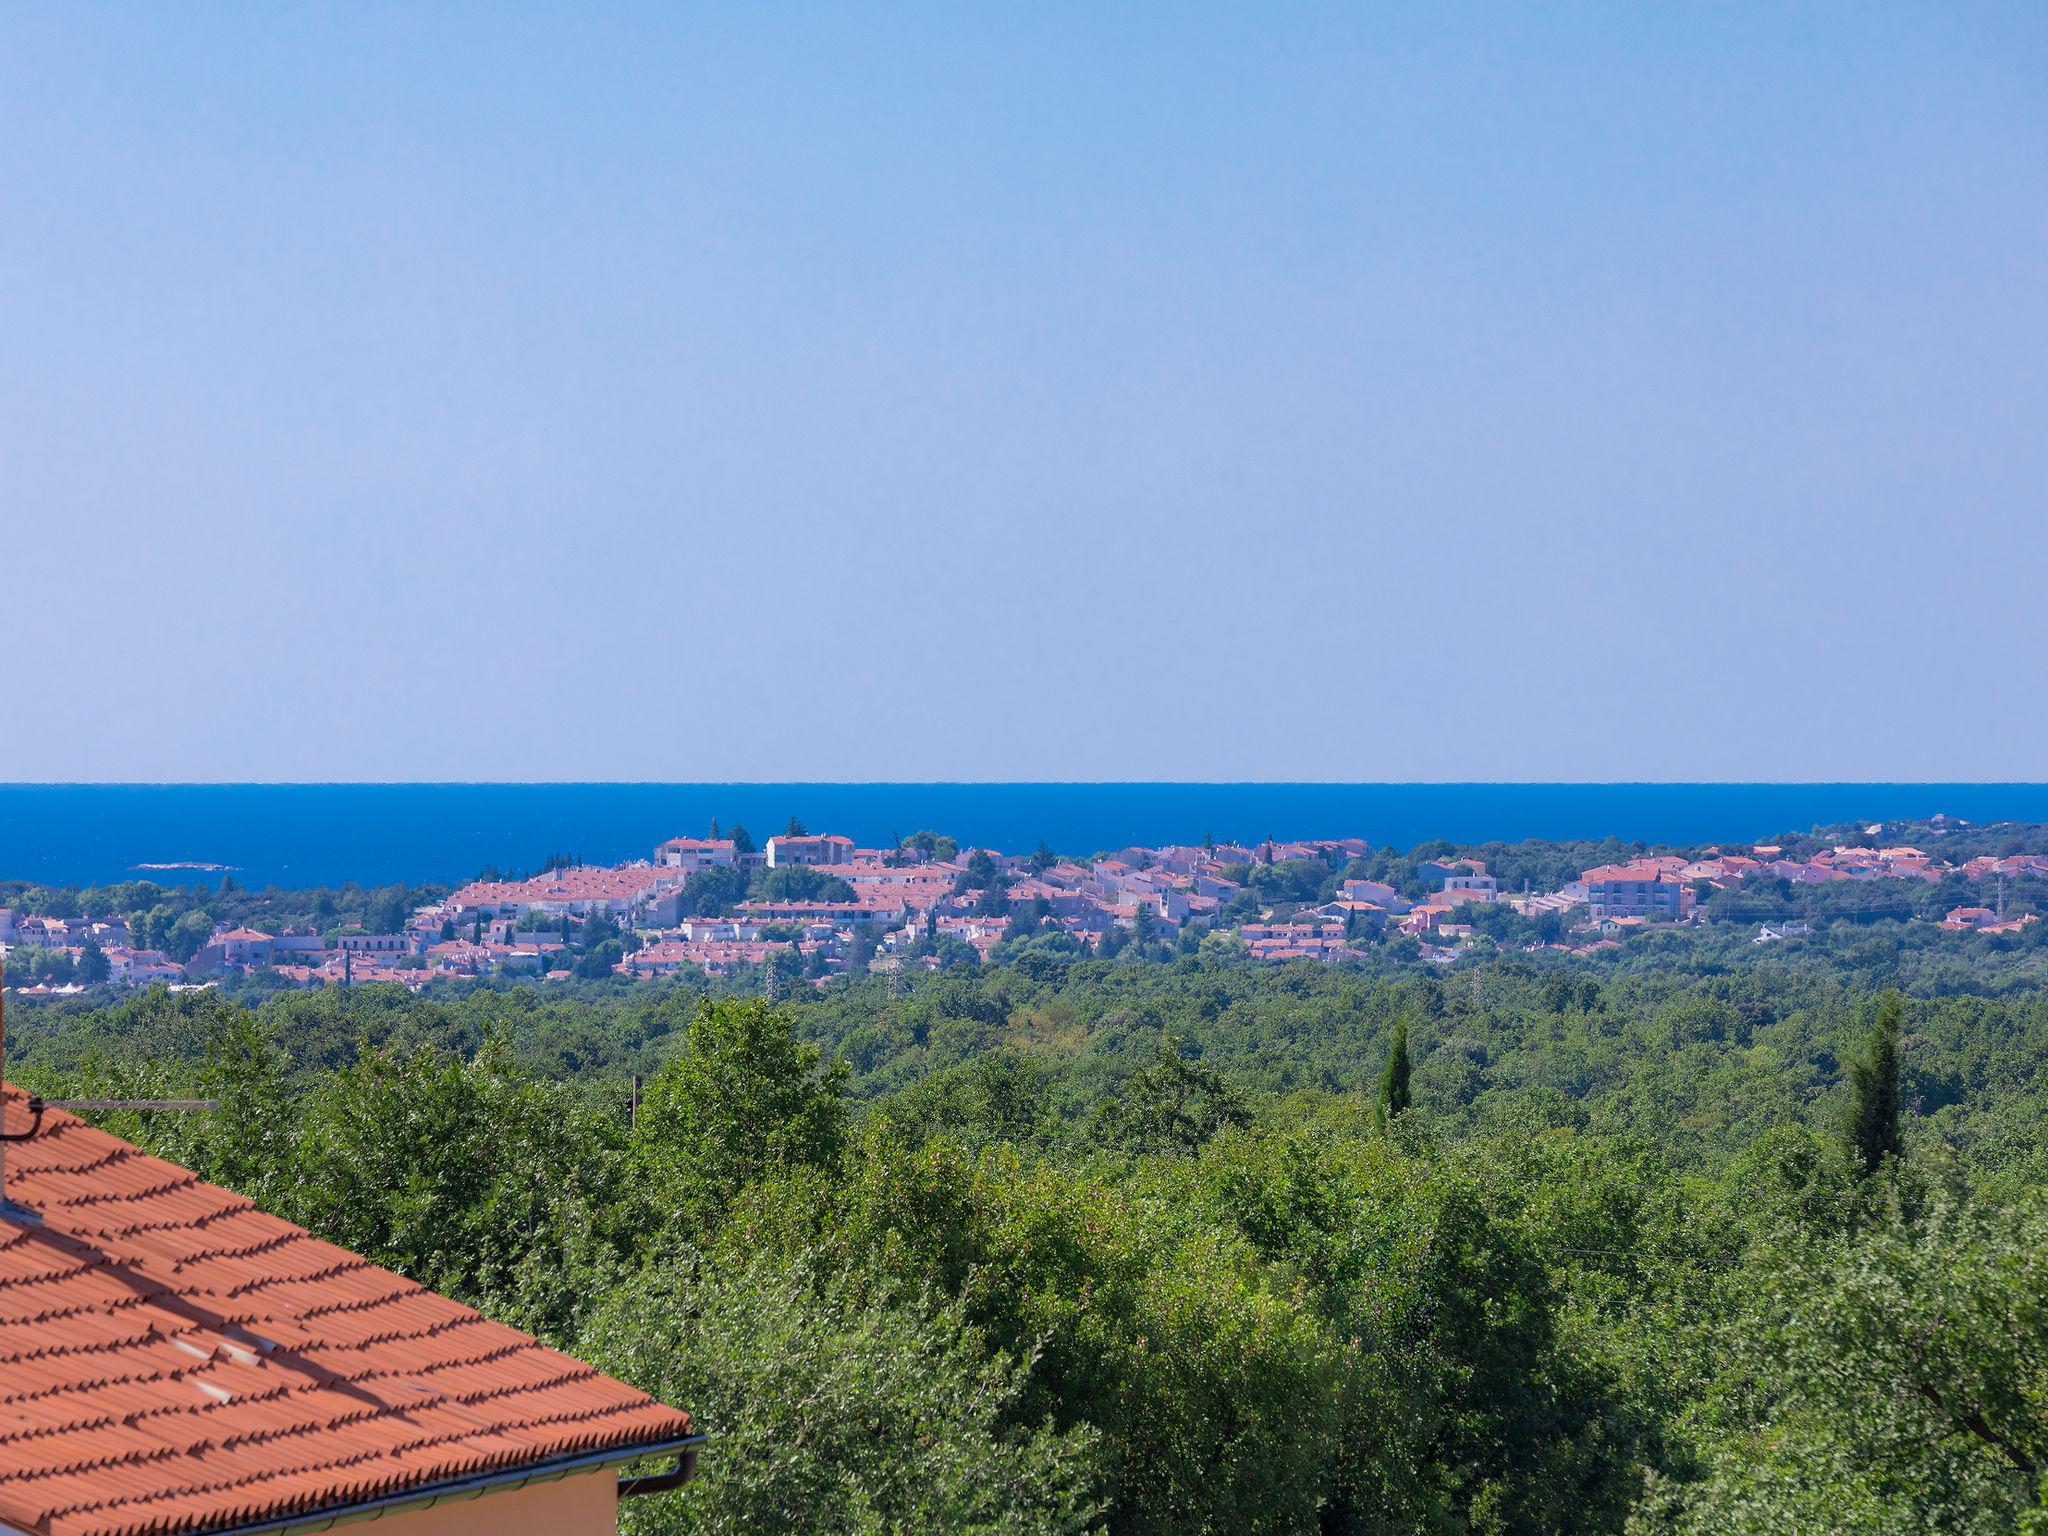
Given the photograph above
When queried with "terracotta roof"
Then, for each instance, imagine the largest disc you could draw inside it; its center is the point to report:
(173, 1359)
(582, 883)
(1635, 874)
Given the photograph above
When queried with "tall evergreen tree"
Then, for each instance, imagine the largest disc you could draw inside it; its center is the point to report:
(1873, 1126)
(1394, 1095)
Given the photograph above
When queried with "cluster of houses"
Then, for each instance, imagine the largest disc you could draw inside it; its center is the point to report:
(885, 909)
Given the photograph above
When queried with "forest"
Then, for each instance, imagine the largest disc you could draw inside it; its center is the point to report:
(1688, 1238)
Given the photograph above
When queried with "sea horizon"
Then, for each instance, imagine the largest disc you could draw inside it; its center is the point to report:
(299, 834)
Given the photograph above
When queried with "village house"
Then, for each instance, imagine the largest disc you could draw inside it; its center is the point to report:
(1424, 916)
(1641, 889)
(1799, 872)
(1374, 891)
(140, 967)
(1293, 941)
(231, 949)
(824, 848)
(1432, 869)
(1772, 933)
(848, 912)
(175, 1360)
(2011, 924)
(1356, 916)
(1469, 887)
(692, 855)
(584, 891)
(385, 944)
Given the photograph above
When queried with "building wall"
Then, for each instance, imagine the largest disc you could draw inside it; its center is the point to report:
(586, 1504)
(1634, 898)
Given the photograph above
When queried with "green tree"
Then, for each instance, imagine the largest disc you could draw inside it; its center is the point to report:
(744, 1099)
(932, 845)
(1210, 1383)
(93, 966)
(1171, 1105)
(714, 892)
(467, 1175)
(1394, 1095)
(1889, 1381)
(837, 1403)
(1872, 1128)
(796, 882)
(185, 937)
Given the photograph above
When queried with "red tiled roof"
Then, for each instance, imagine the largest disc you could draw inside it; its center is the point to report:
(582, 883)
(1635, 874)
(174, 1359)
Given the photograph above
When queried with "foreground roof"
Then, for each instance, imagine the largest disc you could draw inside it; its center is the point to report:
(173, 1359)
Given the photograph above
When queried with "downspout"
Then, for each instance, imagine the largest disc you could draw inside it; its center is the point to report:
(661, 1482)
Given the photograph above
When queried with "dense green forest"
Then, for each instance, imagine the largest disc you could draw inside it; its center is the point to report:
(1685, 1237)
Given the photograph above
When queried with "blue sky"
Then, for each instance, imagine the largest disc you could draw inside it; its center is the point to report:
(1035, 391)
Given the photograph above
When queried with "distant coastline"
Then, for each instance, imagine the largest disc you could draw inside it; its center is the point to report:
(300, 835)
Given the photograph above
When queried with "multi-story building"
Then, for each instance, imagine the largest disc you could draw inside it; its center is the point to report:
(1633, 890)
(822, 848)
(691, 854)
(1459, 889)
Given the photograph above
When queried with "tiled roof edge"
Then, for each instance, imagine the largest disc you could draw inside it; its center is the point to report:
(330, 1515)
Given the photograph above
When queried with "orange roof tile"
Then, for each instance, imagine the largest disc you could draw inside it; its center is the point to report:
(174, 1359)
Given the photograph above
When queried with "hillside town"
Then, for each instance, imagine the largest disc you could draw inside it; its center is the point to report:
(806, 907)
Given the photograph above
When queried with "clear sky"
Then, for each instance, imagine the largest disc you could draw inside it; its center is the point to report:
(1041, 391)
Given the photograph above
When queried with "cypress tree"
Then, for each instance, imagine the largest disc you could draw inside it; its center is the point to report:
(1873, 1127)
(1394, 1076)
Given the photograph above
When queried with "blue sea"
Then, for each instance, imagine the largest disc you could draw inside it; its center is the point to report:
(295, 835)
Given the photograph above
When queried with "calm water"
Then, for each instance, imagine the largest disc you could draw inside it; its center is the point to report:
(324, 834)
